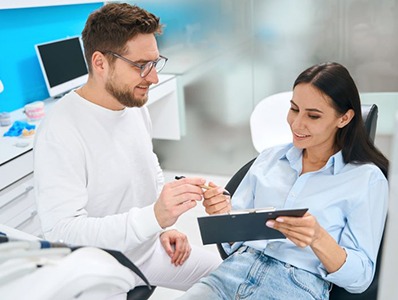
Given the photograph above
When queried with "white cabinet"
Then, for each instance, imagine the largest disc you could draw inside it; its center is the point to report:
(17, 203)
(19, 166)
(163, 106)
(18, 208)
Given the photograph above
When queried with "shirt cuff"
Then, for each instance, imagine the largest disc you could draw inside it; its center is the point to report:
(144, 222)
(348, 276)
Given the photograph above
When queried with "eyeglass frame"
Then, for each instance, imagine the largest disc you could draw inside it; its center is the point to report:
(140, 66)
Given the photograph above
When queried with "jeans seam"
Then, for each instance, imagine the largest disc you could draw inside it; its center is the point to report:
(247, 287)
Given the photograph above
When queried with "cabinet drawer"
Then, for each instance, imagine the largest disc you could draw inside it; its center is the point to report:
(16, 199)
(28, 221)
(15, 169)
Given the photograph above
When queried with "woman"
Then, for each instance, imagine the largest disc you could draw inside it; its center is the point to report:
(333, 169)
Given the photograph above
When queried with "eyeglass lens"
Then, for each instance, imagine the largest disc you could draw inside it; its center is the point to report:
(159, 64)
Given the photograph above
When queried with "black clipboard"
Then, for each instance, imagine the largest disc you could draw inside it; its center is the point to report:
(243, 226)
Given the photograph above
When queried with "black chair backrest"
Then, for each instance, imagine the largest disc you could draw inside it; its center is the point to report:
(369, 115)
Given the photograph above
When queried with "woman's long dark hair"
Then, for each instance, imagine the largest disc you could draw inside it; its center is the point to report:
(334, 80)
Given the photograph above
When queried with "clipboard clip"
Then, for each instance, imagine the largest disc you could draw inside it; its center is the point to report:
(252, 210)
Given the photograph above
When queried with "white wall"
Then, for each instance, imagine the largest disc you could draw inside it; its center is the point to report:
(388, 277)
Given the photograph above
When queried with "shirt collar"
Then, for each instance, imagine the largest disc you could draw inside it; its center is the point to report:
(294, 156)
(337, 161)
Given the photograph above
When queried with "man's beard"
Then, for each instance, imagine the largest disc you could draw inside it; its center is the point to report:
(124, 96)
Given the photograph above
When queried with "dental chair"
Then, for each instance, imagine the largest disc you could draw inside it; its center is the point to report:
(65, 265)
(269, 127)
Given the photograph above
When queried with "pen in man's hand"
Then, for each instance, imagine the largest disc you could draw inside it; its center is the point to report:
(203, 186)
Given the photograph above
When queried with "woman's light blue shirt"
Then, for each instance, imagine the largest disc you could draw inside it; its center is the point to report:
(349, 200)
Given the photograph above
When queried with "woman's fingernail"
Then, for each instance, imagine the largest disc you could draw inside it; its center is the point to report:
(280, 220)
(270, 224)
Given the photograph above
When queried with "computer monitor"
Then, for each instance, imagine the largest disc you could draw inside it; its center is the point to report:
(63, 65)
(388, 272)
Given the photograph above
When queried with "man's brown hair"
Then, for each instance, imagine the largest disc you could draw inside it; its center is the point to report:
(113, 25)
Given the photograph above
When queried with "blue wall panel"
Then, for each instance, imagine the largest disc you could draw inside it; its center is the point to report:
(20, 30)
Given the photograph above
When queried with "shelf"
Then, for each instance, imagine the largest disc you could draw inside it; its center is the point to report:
(41, 3)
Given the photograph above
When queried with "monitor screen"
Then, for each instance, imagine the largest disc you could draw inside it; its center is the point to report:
(63, 65)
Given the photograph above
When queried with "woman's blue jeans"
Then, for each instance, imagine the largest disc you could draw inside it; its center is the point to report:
(250, 274)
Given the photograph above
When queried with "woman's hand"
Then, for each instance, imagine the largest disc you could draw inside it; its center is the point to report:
(302, 231)
(306, 231)
(215, 201)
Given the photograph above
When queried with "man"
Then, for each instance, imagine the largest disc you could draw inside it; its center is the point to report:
(97, 178)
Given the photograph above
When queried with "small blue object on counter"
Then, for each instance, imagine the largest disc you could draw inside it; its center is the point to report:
(17, 128)
(5, 119)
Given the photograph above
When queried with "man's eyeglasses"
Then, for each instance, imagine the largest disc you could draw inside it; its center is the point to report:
(146, 68)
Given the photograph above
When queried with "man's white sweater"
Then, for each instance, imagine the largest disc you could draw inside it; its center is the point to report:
(97, 177)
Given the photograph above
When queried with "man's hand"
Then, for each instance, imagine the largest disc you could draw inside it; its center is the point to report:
(176, 245)
(215, 201)
(176, 198)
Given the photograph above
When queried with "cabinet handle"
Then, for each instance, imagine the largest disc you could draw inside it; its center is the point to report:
(26, 191)
(32, 215)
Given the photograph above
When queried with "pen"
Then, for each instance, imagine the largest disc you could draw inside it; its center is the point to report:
(203, 186)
